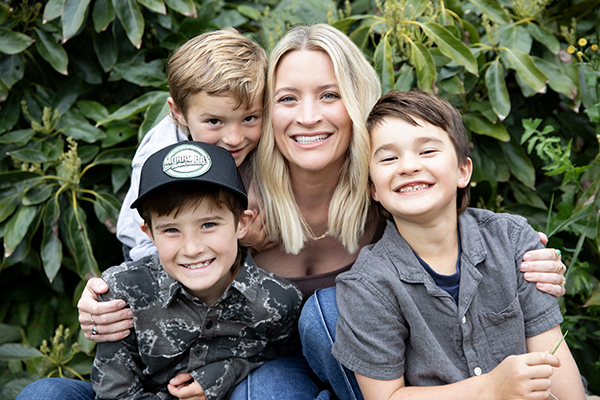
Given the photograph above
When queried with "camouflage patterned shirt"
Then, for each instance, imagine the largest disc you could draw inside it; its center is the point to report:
(254, 321)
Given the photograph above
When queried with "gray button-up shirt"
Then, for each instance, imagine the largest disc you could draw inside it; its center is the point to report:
(395, 321)
(254, 321)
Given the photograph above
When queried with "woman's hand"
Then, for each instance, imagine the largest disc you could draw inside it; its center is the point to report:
(184, 387)
(545, 268)
(111, 320)
(256, 238)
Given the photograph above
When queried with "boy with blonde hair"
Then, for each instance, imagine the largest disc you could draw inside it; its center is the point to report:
(437, 308)
(216, 83)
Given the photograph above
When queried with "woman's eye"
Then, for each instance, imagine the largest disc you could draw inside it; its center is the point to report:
(214, 122)
(286, 99)
(388, 158)
(331, 96)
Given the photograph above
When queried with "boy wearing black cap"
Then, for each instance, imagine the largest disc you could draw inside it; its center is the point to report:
(205, 315)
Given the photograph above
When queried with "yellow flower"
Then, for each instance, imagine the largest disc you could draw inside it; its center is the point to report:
(595, 47)
(582, 42)
(571, 49)
(579, 54)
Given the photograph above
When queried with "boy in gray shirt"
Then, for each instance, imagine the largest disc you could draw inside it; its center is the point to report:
(449, 314)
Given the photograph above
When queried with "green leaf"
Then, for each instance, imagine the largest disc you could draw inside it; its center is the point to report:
(92, 110)
(452, 85)
(132, 20)
(423, 62)
(3, 12)
(185, 7)
(525, 67)
(78, 242)
(384, 64)
(119, 174)
(229, 18)
(483, 126)
(13, 42)
(492, 10)
(20, 352)
(405, 79)
(498, 93)
(67, 95)
(38, 194)
(142, 73)
(594, 299)
(86, 132)
(133, 107)
(520, 165)
(53, 10)
(17, 226)
(249, 12)
(102, 15)
(107, 209)
(19, 137)
(450, 46)
(117, 132)
(156, 111)
(73, 15)
(515, 38)
(557, 79)
(30, 155)
(51, 51)
(87, 153)
(12, 69)
(9, 113)
(155, 5)
(415, 8)
(545, 37)
(115, 156)
(9, 333)
(51, 249)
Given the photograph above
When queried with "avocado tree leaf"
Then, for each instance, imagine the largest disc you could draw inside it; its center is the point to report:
(520, 165)
(406, 77)
(30, 155)
(498, 93)
(51, 248)
(185, 7)
(515, 37)
(17, 226)
(106, 50)
(492, 10)
(384, 64)
(525, 67)
(450, 46)
(13, 42)
(158, 6)
(423, 62)
(130, 15)
(20, 137)
(142, 73)
(73, 15)
(544, 36)
(107, 208)
(12, 69)
(18, 352)
(483, 126)
(156, 112)
(53, 10)
(78, 242)
(133, 107)
(557, 79)
(38, 194)
(51, 51)
(102, 15)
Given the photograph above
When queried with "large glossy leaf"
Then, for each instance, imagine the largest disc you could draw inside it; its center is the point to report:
(483, 126)
(515, 37)
(85, 65)
(86, 132)
(12, 69)
(142, 73)
(158, 6)
(545, 37)
(9, 333)
(9, 113)
(185, 7)
(450, 46)
(3, 12)
(17, 226)
(92, 110)
(520, 165)
(557, 79)
(498, 93)
(51, 249)
(133, 107)
(102, 15)
(115, 156)
(249, 12)
(20, 352)
(51, 51)
(452, 85)
(19, 137)
(406, 77)
(117, 132)
(415, 8)
(107, 209)
(156, 111)
(53, 10)
(525, 67)
(38, 194)
(67, 95)
(73, 15)
(492, 10)
(384, 64)
(424, 65)
(229, 18)
(130, 15)
(30, 156)
(13, 42)
(78, 242)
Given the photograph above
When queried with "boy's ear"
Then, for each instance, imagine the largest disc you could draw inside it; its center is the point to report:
(147, 230)
(176, 113)
(464, 173)
(244, 223)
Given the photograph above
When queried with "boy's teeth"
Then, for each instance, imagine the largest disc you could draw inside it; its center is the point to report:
(408, 189)
(199, 265)
(310, 139)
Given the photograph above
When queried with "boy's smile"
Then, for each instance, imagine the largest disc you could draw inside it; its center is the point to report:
(198, 247)
(216, 120)
(415, 171)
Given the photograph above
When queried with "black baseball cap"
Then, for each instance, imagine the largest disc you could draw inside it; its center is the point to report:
(190, 162)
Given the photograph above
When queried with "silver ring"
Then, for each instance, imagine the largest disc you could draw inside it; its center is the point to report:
(94, 330)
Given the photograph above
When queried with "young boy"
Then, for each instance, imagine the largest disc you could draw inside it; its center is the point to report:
(216, 83)
(447, 307)
(205, 315)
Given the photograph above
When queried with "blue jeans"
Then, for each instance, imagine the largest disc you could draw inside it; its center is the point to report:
(308, 376)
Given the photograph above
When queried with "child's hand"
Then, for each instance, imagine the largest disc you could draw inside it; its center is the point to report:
(525, 376)
(256, 238)
(184, 387)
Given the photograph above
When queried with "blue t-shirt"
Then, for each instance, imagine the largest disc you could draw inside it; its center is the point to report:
(450, 283)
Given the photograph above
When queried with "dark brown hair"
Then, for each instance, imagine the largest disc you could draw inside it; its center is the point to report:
(427, 107)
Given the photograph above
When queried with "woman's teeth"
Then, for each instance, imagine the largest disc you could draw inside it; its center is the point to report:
(310, 139)
(408, 189)
(199, 265)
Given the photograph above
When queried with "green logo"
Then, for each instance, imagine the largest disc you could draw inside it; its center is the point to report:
(186, 161)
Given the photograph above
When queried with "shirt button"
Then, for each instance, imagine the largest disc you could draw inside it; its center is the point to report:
(198, 351)
(208, 325)
(477, 371)
(464, 319)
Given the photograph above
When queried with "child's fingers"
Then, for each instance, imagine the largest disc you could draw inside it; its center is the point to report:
(181, 378)
(542, 359)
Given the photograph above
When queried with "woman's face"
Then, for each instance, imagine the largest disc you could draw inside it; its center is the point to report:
(311, 123)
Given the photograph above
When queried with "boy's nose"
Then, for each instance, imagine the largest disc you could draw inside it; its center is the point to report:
(192, 246)
(233, 137)
(409, 165)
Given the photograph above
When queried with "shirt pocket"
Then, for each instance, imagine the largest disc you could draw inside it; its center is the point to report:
(505, 331)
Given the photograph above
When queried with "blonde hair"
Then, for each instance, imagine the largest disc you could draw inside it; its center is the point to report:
(222, 62)
(359, 89)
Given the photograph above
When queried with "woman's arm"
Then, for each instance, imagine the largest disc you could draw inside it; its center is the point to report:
(111, 319)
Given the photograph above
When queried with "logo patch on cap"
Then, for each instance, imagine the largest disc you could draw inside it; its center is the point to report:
(186, 161)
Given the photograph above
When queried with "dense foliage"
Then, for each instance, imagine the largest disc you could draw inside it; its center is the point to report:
(82, 81)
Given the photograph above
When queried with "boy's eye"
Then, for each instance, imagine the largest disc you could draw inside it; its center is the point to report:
(250, 118)
(214, 121)
(429, 151)
(171, 230)
(208, 225)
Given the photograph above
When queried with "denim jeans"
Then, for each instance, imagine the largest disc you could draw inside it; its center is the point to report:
(308, 376)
